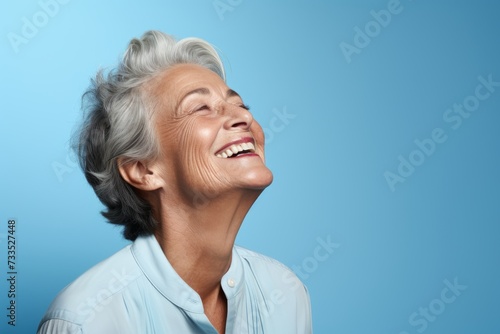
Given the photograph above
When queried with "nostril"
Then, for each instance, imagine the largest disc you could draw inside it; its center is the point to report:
(237, 118)
(239, 124)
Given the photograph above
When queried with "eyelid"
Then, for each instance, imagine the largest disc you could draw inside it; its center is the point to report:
(241, 104)
(201, 107)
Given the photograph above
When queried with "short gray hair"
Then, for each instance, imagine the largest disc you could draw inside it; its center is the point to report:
(119, 124)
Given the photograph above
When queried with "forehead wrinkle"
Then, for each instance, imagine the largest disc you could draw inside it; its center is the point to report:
(159, 90)
(162, 85)
(154, 91)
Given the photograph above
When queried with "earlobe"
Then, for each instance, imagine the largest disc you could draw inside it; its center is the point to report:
(139, 175)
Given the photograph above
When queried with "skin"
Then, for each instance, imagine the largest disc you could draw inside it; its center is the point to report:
(199, 199)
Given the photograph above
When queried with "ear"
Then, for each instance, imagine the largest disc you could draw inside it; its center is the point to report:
(139, 175)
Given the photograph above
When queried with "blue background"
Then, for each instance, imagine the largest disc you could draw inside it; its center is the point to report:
(351, 122)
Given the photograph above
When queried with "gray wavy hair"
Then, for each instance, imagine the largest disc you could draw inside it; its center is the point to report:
(119, 124)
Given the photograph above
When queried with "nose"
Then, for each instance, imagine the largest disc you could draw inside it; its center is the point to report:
(237, 117)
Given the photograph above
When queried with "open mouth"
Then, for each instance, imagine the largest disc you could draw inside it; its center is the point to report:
(236, 150)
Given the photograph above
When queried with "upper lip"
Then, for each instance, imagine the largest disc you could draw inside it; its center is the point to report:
(235, 142)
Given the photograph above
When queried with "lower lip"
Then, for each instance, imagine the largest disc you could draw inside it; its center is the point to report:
(244, 155)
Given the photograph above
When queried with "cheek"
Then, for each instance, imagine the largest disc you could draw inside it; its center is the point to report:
(185, 135)
(195, 160)
(258, 134)
(196, 136)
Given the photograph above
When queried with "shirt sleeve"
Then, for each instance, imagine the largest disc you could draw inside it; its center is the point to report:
(307, 313)
(58, 326)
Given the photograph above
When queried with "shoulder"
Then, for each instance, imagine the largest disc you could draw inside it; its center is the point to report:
(284, 295)
(78, 302)
(272, 274)
(258, 259)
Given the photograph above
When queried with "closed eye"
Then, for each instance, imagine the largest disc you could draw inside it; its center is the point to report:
(245, 106)
(203, 107)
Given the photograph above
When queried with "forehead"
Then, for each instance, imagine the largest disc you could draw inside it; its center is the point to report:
(182, 78)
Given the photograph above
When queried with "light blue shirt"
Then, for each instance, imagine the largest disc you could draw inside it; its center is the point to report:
(137, 291)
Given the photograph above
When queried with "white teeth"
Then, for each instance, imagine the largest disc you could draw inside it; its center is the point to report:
(234, 149)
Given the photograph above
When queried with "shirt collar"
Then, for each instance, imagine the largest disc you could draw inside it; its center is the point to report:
(160, 273)
(233, 280)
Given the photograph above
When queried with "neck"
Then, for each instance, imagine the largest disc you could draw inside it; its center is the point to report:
(198, 238)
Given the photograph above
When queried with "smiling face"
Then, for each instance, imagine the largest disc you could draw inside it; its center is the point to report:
(210, 143)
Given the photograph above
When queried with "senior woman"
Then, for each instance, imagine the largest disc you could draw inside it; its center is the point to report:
(177, 159)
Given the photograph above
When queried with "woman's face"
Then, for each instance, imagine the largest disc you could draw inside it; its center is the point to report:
(209, 141)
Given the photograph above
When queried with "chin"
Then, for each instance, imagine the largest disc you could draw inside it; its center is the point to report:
(259, 179)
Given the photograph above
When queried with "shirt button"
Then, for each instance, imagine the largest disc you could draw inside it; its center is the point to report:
(231, 283)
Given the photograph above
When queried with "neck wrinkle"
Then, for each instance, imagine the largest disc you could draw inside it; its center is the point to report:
(198, 241)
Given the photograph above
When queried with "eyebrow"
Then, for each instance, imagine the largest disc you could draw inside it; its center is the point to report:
(231, 93)
(203, 91)
(206, 91)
